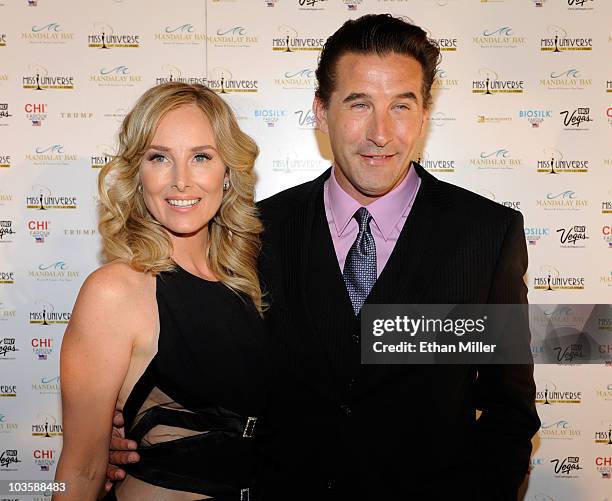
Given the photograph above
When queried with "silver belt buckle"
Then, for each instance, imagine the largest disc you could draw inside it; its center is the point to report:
(249, 428)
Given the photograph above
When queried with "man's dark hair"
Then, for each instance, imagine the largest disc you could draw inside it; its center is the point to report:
(379, 34)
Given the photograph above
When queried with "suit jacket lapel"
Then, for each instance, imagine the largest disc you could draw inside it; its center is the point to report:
(315, 256)
(404, 278)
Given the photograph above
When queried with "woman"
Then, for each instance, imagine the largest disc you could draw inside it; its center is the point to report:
(170, 329)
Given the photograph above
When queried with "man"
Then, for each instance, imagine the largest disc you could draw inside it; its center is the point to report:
(376, 228)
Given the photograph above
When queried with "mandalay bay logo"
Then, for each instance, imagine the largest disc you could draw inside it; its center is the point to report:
(489, 82)
(298, 79)
(558, 430)
(47, 385)
(566, 200)
(103, 36)
(232, 37)
(51, 155)
(288, 39)
(58, 271)
(551, 279)
(502, 37)
(115, 76)
(554, 162)
(444, 81)
(498, 159)
(557, 40)
(40, 78)
(223, 81)
(566, 79)
(49, 34)
(182, 34)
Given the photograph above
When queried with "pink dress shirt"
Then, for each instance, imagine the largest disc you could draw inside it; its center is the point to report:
(389, 213)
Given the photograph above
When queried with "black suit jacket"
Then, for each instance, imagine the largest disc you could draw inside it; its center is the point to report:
(340, 429)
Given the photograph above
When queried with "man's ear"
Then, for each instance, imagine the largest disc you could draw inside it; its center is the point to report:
(320, 114)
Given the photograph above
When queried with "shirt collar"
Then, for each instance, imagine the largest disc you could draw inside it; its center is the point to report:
(386, 211)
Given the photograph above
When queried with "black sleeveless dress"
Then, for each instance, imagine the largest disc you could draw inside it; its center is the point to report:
(194, 412)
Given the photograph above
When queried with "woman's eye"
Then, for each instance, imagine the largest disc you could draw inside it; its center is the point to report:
(201, 157)
(157, 157)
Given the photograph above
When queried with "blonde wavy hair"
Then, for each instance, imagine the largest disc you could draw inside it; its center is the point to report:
(131, 234)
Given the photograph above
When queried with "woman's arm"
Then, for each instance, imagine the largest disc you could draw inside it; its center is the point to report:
(94, 360)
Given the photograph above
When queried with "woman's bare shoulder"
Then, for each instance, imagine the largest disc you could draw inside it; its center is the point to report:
(118, 289)
(118, 279)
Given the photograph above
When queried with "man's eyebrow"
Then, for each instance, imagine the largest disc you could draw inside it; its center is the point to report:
(354, 96)
(408, 95)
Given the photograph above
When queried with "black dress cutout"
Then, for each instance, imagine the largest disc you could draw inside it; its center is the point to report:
(194, 411)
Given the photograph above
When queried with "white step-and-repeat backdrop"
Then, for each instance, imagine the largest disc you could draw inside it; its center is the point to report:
(523, 115)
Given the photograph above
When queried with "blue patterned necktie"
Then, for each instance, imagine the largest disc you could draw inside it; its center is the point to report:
(360, 265)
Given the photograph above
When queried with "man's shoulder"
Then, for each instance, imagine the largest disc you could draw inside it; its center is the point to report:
(477, 207)
(285, 203)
